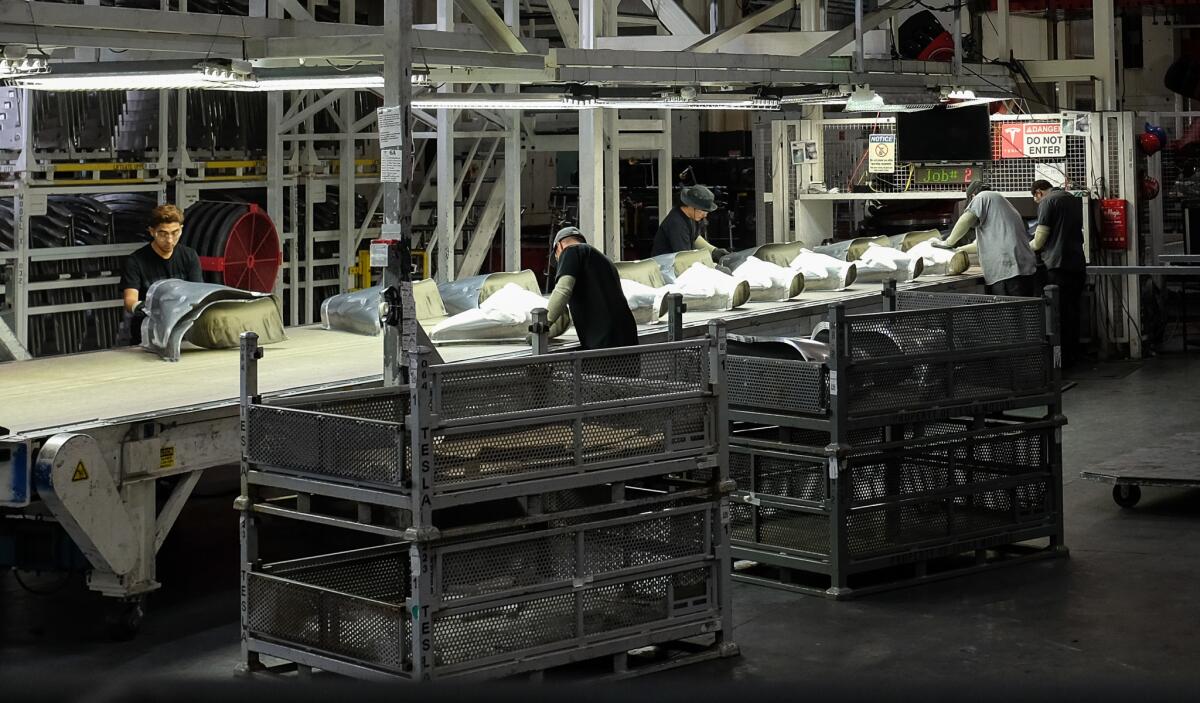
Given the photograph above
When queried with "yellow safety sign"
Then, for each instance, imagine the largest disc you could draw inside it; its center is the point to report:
(166, 458)
(80, 472)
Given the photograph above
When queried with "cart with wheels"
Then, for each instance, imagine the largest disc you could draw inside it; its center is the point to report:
(1173, 464)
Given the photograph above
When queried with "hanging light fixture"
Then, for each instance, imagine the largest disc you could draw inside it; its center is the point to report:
(25, 66)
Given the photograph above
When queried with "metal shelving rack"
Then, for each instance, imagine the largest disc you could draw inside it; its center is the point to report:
(898, 460)
(615, 460)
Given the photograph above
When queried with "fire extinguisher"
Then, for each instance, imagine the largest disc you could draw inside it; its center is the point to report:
(1114, 224)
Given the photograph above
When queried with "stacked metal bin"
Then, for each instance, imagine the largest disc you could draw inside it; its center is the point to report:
(926, 444)
(538, 511)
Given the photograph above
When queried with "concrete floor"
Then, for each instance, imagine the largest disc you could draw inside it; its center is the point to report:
(1124, 605)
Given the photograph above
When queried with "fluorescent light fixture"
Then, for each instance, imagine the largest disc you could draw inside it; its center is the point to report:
(28, 66)
(500, 101)
(286, 79)
(700, 102)
(86, 77)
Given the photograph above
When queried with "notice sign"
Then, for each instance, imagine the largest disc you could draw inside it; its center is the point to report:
(1035, 140)
(881, 152)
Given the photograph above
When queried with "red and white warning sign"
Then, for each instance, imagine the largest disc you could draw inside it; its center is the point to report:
(1035, 140)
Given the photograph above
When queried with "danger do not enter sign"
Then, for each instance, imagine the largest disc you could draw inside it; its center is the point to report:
(1036, 140)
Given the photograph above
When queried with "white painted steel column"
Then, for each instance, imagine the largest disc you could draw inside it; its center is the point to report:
(591, 142)
(666, 167)
(347, 227)
(446, 265)
(514, 162)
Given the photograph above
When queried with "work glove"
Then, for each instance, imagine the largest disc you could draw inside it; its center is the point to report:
(942, 244)
(140, 309)
(718, 254)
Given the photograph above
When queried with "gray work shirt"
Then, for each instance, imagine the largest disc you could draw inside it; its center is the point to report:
(1004, 250)
(1063, 214)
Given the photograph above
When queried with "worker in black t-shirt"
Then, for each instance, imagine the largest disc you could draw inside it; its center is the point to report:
(163, 257)
(588, 285)
(683, 228)
(1058, 240)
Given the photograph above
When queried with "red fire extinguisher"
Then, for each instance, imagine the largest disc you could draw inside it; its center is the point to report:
(1114, 223)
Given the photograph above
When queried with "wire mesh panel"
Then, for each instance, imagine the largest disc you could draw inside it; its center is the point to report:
(845, 157)
(334, 608)
(512, 566)
(546, 384)
(920, 300)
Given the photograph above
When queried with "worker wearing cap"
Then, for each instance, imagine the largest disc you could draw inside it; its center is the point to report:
(163, 257)
(1009, 264)
(1058, 239)
(683, 228)
(588, 285)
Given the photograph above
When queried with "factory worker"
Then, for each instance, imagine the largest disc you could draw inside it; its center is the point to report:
(588, 285)
(163, 257)
(683, 228)
(1009, 264)
(1058, 240)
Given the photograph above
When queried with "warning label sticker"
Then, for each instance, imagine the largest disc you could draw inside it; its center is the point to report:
(882, 153)
(81, 473)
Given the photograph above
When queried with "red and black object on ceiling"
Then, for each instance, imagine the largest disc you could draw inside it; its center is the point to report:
(237, 243)
(923, 38)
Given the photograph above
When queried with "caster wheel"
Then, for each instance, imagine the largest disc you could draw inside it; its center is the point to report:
(1127, 495)
(124, 619)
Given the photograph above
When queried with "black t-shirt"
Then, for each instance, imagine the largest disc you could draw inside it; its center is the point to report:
(1063, 214)
(677, 232)
(598, 308)
(145, 266)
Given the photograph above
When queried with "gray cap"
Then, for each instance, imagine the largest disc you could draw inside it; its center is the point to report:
(699, 197)
(976, 187)
(567, 232)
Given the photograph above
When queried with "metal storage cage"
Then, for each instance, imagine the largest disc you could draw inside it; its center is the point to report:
(896, 460)
(539, 511)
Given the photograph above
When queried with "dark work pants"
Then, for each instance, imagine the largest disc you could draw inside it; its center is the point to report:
(1070, 293)
(1017, 286)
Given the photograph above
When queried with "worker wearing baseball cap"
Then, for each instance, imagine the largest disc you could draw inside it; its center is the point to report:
(588, 285)
(683, 228)
(1009, 264)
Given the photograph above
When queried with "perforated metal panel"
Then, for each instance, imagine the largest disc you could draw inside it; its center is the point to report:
(326, 445)
(544, 385)
(555, 446)
(779, 384)
(951, 490)
(352, 609)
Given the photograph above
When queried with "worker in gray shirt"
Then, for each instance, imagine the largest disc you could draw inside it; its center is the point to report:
(1058, 239)
(1009, 264)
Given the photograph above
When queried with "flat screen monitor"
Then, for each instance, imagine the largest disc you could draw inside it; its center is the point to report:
(959, 135)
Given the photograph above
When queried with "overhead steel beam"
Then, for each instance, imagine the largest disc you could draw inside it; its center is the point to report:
(485, 19)
(674, 18)
(566, 21)
(870, 21)
(311, 109)
(714, 42)
(485, 231)
(295, 9)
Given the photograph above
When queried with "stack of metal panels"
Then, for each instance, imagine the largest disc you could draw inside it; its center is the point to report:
(541, 511)
(896, 460)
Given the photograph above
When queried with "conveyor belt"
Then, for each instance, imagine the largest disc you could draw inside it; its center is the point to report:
(108, 387)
